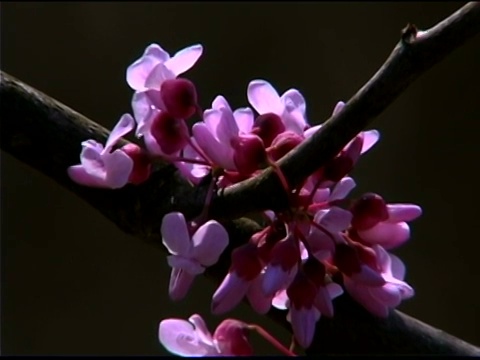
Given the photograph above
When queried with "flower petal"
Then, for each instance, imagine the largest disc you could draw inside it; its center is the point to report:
(335, 220)
(122, 128)
(91, 159)
(229, 294)
(227, 127)
(157, 76)
(338, 107)
(403, 212)
(220, 154)
(220, 102)
(264, 98)
(294, 100)
(180, 283)
(184, 59)
(342, 189)
(78, 174)
(398, 268)
(138, 72)
(386, 234)
(303, 325)
(244, 119)
(175, 234)
(259, 302)
(118, 166)
(370, 138)
(180, 338)
(209, 241)
(281, 300)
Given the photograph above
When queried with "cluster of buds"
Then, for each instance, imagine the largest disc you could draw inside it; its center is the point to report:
(304, 257)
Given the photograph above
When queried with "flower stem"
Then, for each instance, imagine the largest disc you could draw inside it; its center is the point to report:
(263, 333)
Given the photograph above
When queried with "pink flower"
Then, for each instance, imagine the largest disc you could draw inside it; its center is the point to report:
(190, 256)
(245, 277)
(156, 65)
(380, 299)
(102, 167)
(290, 106)
(375, 222)
(221, 130)
(192, 338)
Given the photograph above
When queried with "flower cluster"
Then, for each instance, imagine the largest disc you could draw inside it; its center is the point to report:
(304, 257)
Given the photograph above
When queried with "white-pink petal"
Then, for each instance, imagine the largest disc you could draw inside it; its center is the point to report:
(118, 167)
(264, 98)
(175, 235)
(244, 119)
(180, 283)
(370, 138)
(78, 174)
(342, 189)
(209, 241)
(122, 128)
(157, 76)
(303, 325)
(184, 59)
(389, 235)
(403, 212)
(229, 294)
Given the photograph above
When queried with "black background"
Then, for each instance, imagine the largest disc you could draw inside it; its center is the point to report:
(72, 283)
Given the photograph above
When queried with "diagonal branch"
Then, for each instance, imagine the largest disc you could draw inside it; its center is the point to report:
(46, 135)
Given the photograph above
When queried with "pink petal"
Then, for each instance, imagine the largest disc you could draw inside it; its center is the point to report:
(191, 266)
(220, 154)
(180, 283)
(220, 102)
(335, 220)
(151, 143)
(229, 294)
(92, 160)
(78, 174)
(138, 72)
(368, 276)
(122, 128)
(397, 267)
(388, 295)
(370, 138)
(386, 234)
(259, 302)
(212, 119)
(354, 148)
(275, 279)
(201, 329)
(294, 100)
(244, 119)
(184, 59)
(227, 127)
(342, 189)
(334, 290)
(142, 109)
(340, 105)
(403, 212)
(180, 338)
(323, 302)
(175, 234)
(362, 295)
(209, 241)
(280, 300)
(303, 325)
(157, 52)
(310, 131)
(264, 98)
(321, 195)
(157, 76)
(118, 166)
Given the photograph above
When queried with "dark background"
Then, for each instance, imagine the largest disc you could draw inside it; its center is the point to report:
(72, 283)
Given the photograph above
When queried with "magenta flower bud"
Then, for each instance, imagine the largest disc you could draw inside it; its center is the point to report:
(337, 168)
(368, 211)
(302, 292)
(142, 166)
(170, 133)
(346, 259)
(231, 338)
(268, 126)
(246, 262)
(282, 144)
(249, 153)
(179, 97)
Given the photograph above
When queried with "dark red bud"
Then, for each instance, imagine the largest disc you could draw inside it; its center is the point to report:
(286, 254)
(170, 133)
(337, 168)
(302, 292)
(315, 271)
(246, 262)
(142, 166)
(368, 211)
(231, 337)
(179, 97)
(282, 144)
(249, 153)
(346, 259)
(268, 126)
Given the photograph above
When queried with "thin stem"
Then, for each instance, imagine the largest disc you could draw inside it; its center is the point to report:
(263, 333)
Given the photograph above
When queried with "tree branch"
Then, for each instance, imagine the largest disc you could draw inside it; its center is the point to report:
(46, 135)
